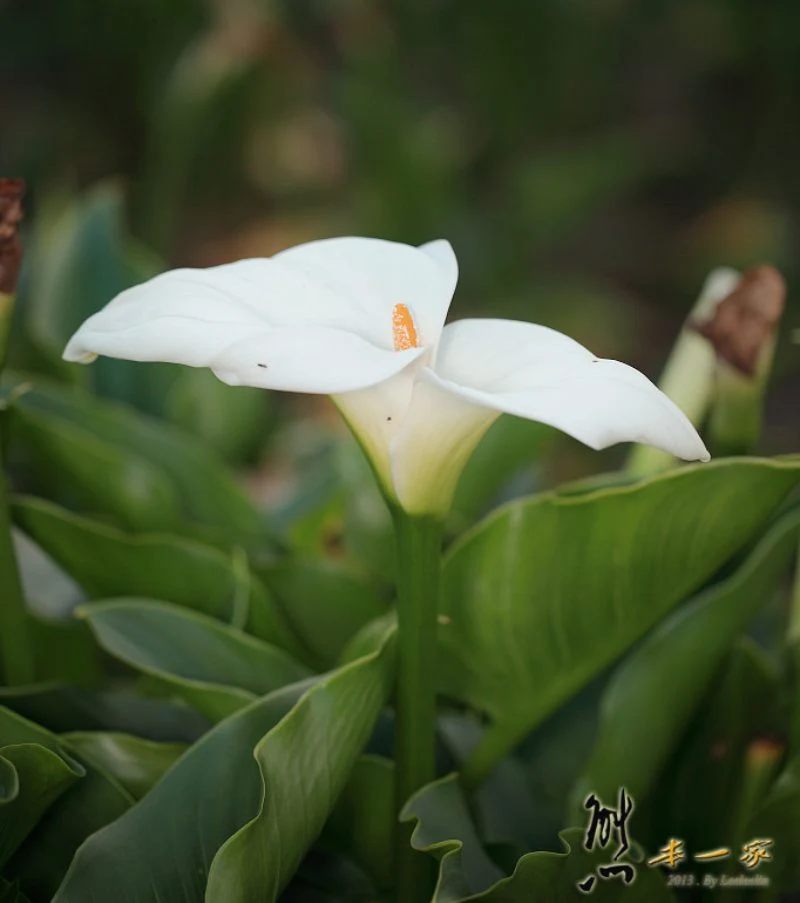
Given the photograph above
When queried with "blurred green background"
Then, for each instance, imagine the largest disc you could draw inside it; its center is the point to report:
(590, 160)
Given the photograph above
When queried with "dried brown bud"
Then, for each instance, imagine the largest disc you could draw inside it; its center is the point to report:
(745, 320)
(11, 192)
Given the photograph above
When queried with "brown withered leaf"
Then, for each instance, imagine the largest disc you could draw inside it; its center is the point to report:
(745, 320)
(11, 192)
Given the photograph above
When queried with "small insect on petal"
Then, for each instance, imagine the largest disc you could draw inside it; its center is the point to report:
(403, 329)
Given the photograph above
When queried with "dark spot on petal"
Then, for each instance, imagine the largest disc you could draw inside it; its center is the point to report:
(388, 418)
(263, 365)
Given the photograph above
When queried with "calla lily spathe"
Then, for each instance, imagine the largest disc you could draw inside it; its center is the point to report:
(362, 320)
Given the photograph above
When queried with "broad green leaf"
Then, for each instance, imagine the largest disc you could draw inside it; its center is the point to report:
(93, 801)
(137, 764)
(640, 723)
(60, 708)
(361, 824)
(163, 847)
(143, 471)
(215, 668)
(445, 830)
(100, 474)
(547, 592)
(701, 791)
(510, 446)
(108, 562)
(308, 757)
(325, 603)
(40, 776)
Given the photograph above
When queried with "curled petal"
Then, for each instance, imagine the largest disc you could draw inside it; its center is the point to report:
(308, 359)
(374, 275)
(540, 374)
(317, 318)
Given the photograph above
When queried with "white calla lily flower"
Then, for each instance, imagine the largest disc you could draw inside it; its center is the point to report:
(362, 320)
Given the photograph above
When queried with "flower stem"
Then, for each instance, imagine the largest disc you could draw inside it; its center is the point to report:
(418, 544)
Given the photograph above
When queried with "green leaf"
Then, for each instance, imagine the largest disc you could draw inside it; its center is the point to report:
(511, 445)
(163, 848)
(522, 804)
(215, 668)
(139, 469)
(307, 757)
(38, 776)
(49, 591)
(65, 652)
(92, 802)
(640, 723)
(80, 261)
(98, 473)
(326, 603)
(137, 764)
(107, 562)
(445, 830)
(778, 819)
(362, 820)
(547, 592)
(703, 793)
(61, 708)
(231, 420)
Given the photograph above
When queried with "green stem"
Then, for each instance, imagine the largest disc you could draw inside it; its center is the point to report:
(418, 544)
(15, 641)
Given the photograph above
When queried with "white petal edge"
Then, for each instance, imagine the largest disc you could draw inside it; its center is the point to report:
(311, 359)
(537, 373)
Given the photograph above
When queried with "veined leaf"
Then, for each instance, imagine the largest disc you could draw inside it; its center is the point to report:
(108, 562)
(215, 668)
(325, 604)
(163, 848)
(361, 824)
(34, 778)
(309, 757)
(137, 764)
(142, 470)
(93, 801)
(466, 873)
(547, 592)
(640, 723)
